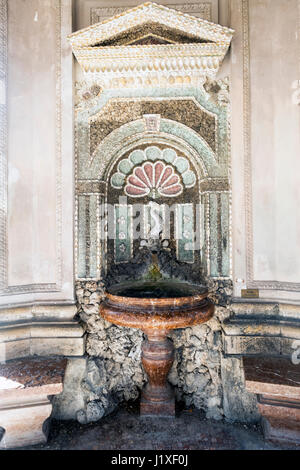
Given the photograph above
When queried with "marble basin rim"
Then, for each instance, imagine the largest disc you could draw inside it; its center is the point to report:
(186, 306)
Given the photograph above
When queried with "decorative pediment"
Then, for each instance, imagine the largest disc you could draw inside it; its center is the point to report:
(151, 44)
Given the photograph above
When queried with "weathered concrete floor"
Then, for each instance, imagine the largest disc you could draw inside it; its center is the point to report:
(125, 430)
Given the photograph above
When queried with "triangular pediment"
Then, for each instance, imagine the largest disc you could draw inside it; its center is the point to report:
(150, 21)
(151, 45)
(151, 33)
(146, 39)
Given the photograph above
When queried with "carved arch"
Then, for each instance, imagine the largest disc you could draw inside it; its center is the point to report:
(130, 135)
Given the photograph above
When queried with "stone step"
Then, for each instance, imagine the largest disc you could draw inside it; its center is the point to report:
(276, 381)
(25, 387)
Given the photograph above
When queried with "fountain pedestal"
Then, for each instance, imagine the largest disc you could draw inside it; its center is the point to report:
(157, 308)
(157, 359)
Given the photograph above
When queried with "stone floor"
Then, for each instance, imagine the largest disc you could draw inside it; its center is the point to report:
(125, 430)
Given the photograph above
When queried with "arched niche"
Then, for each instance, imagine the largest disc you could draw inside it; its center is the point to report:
(208, 198)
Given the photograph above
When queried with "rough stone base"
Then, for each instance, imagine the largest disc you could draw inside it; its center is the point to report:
(71, 400)
(239, 405)
(201, 377)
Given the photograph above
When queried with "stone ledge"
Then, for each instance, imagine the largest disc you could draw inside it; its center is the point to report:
(276, 381)
(42, 347)
(42, 330)
(25, 387)
(256, 329)
(11, 332)
(265, 310)
(37, 312)
(258, 346)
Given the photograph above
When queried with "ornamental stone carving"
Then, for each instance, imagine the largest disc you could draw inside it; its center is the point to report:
(151, 45)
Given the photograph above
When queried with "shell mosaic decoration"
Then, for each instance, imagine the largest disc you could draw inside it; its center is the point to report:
(155, 173)
(154, 179)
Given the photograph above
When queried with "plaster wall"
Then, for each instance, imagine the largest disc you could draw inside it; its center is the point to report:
(31, 143)
(265, 148)
(37, 303)
(275, 140)
(38, 259)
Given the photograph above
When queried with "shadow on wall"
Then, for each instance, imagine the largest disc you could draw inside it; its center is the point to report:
(2, 432)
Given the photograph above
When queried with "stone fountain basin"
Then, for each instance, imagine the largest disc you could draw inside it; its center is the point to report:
(156, 308)
(161, 305)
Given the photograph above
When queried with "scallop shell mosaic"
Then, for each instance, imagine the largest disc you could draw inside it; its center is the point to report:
(153, 179)
(155, 173)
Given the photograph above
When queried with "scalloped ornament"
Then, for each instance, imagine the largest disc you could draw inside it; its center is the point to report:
(154, 172)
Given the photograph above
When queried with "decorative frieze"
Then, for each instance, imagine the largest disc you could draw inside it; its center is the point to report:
(171, 65)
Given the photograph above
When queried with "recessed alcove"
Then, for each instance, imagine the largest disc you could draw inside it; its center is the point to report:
(152, 132)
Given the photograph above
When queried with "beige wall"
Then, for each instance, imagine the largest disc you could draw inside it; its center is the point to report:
(32, 143)
(275, 137)
(39, 224)
(266, 147)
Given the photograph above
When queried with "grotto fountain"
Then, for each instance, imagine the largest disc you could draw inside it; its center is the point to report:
(152, 177)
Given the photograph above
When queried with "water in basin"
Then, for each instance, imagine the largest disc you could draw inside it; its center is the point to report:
(156, 290)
